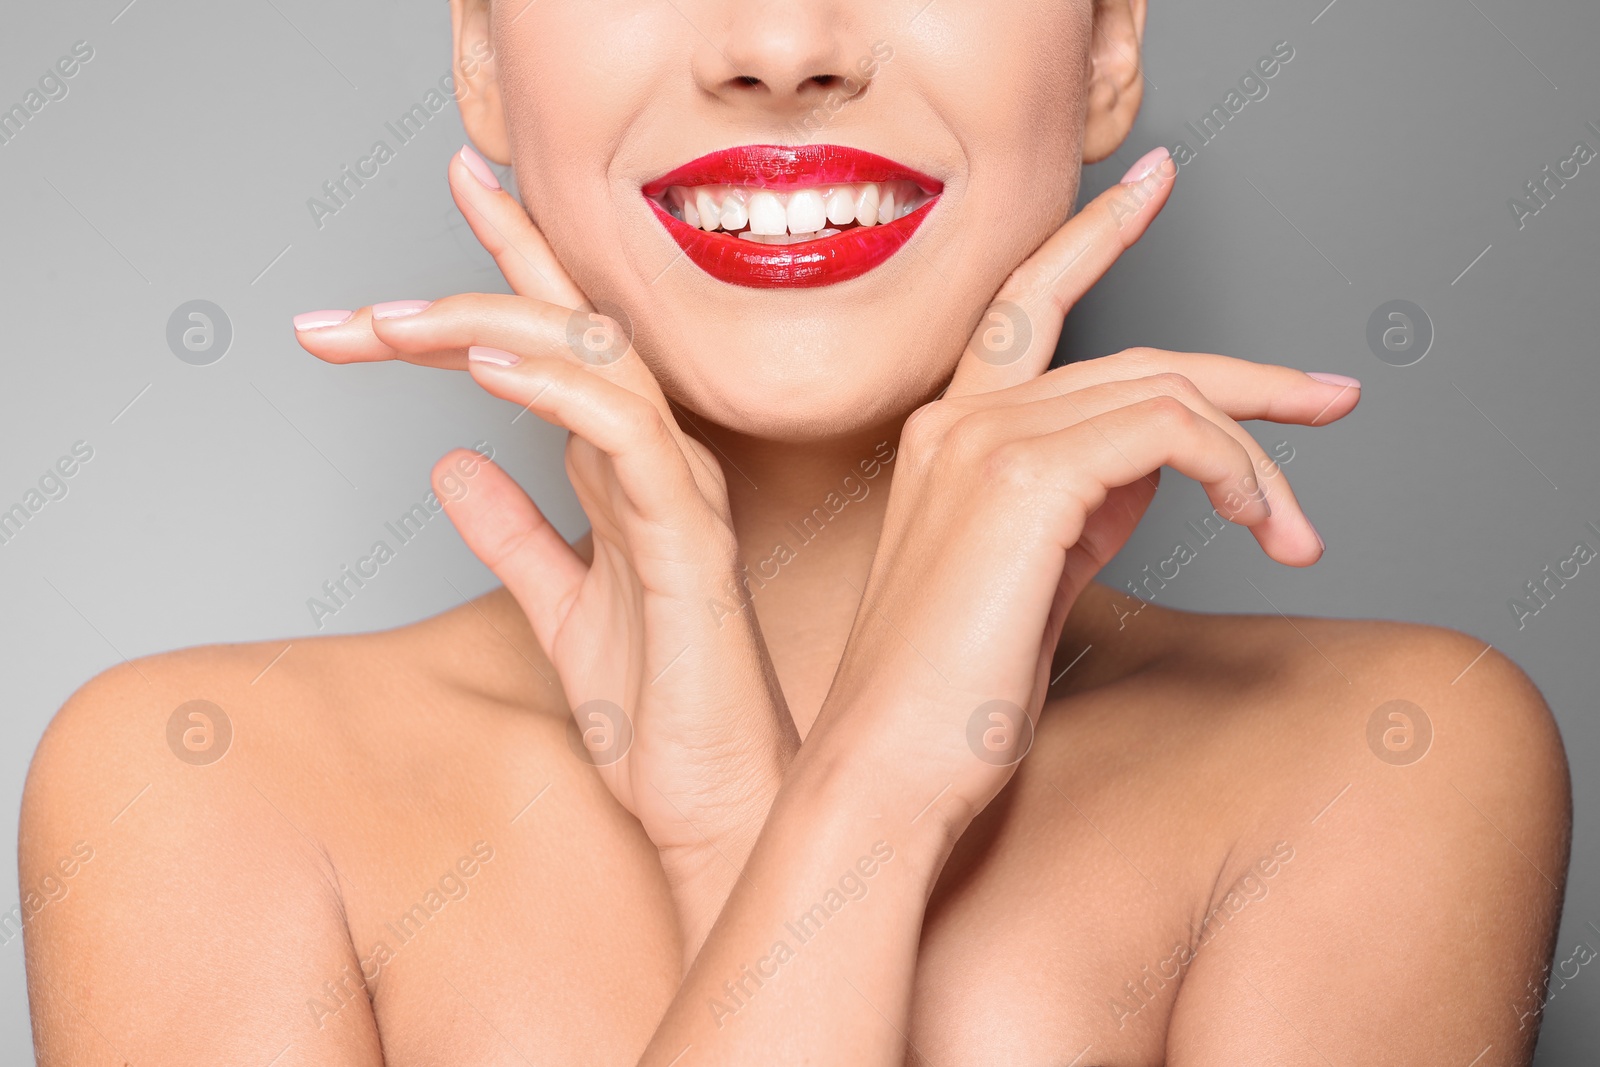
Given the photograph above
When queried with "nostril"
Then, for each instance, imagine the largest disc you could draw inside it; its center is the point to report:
(746, 80)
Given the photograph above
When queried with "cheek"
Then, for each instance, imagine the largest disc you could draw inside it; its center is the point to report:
(573, 84)
(1012, 91)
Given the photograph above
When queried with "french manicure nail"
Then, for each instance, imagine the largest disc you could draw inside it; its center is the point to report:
(493, 356)
(318, 320)
(1342, 380)
(1146, 165)
(479, 168)
(395, 309)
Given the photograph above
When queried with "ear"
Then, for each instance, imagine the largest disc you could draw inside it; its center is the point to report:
(1115, 83)
(477, 83)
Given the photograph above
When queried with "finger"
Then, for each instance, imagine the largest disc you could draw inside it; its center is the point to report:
(1240, 387)
(1288, 525)
(1163, 432)
(347, 337)
(1083, 463)
(648, 462)
(505, 529)
(511, 328)
(1107, 530)
(503, 227)
(455, 324)
(1017, 334)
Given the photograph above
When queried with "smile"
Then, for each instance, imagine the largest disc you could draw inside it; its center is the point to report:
(791, 216)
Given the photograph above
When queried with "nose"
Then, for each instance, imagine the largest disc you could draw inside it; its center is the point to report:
(784, 54)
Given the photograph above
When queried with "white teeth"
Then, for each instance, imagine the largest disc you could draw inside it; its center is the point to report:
(841, 206)
(734, 215)
(706, 206)
(806, 213)
(768, 217)
(867, 206)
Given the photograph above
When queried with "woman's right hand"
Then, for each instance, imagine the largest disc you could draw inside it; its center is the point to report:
(675, 704)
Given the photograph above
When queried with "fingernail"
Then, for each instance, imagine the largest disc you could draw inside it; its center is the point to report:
(395, 309)
(317, 320)
(1146, 165)
(493, 356)
(1320, 541)
(1343, 380)
(479, 168)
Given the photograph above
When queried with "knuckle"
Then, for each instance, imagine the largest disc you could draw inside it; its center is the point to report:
(967, 439)
(641, 421)
(1013, 469)
(1175, 384)
(924, 430)
(1170, 411)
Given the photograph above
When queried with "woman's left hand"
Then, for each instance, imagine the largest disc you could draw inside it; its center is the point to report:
(678, 706)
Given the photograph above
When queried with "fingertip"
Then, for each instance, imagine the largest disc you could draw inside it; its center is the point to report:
(1135, 201)
(333, 339)
(452, 475)
(1146, 165)
(321, 320)
(478, 167)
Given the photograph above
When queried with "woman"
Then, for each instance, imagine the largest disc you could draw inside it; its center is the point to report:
(836, 497)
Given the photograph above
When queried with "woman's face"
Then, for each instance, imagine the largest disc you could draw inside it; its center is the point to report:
(979, 107)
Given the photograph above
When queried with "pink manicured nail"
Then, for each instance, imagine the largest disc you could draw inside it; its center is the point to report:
(1343, 380)
(395, 309)
(493, 356)
(1146, 165)
(318, 320)
(479, 167)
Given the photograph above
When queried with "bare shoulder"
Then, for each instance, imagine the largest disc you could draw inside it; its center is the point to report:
(230, 719)
(1363, 695)
(195, 812)
(1398, 809)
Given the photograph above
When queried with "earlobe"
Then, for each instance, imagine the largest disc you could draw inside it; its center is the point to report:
(1115, 84)
(477, 80)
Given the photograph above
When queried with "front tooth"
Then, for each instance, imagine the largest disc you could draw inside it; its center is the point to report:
(734, 215)
(841, 206)
(886, 205)
(691, 217)
(767, 215)
(806, 213)
(867, 205)
(706, 205)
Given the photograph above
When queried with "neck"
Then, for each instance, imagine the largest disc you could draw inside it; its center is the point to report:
(808, 518)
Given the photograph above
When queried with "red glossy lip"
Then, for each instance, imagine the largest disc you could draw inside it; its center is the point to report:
(825, 261)
(782, 167)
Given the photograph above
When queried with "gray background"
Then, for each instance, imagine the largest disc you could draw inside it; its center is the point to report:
(220, 497)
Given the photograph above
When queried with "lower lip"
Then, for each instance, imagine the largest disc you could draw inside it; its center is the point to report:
(825, 261)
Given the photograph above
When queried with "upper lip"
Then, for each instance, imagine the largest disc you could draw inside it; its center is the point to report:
(785, 167)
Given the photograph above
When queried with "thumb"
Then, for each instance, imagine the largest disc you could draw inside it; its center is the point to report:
(506, 530)
(1018, 332)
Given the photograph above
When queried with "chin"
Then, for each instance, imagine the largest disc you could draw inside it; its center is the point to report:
(799, 373)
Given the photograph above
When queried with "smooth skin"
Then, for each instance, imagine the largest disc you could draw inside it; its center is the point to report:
(1199, 860)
